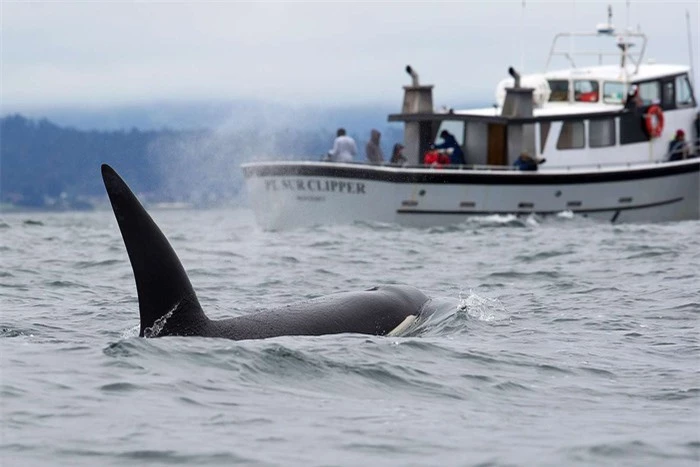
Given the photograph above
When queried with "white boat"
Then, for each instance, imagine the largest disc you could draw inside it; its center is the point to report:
(604, 131)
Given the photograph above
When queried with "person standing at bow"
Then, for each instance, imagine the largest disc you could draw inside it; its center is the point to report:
(344, 148)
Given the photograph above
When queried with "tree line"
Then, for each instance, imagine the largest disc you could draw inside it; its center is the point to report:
(42, 163)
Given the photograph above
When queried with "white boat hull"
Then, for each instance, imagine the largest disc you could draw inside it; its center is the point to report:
(285, 195)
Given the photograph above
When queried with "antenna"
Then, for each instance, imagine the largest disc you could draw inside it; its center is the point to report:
(690, 46)
(607, 28)
(521, 39)
(571, 37)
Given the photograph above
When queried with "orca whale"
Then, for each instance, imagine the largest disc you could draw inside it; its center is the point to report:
(168, 305)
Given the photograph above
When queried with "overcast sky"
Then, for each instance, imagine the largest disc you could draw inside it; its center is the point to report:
(103, 53)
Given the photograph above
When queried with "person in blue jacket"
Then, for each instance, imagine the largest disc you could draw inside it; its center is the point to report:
(526, 162)
(450, 142)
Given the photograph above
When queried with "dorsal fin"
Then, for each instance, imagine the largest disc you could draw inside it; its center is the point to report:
(161, 281)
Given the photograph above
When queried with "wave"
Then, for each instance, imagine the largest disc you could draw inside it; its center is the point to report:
(12, 332)
(330, 362)
(31, 222)
(627, 451)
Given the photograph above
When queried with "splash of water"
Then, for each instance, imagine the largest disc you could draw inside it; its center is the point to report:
(566, 214)
(158, 324)
(130, 332)
(203, 167)
(482, 308)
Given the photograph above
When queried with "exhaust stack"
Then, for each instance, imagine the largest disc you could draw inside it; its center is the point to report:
(414, 75)
(518, 101)
(516, 77)
(418, 134)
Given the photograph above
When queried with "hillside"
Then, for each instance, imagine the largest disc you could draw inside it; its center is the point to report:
(44, 165)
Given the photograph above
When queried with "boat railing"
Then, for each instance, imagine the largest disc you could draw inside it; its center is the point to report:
(508, 168)
(691, 151)
(623, 44)
(548, 168)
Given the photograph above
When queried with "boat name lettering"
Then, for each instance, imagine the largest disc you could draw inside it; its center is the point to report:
(315, 185)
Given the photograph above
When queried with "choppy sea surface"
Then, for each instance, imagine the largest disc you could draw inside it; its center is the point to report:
(558, 341)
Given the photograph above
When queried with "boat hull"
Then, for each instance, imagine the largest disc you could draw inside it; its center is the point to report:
(294, 194)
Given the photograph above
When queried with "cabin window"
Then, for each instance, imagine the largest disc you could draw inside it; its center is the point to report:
(560, 90)
(544, 133)
(601, 133)
(649, 92)
(613, 92)
(585, 90)
(572, 136)
(684, 94)
(455, 128)
(669, 95)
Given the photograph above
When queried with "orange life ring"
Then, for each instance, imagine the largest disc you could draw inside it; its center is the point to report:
(654, 121)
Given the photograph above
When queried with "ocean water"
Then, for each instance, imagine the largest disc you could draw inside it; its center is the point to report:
(558, 341)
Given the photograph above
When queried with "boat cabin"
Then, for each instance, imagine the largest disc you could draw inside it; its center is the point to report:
(579, 116)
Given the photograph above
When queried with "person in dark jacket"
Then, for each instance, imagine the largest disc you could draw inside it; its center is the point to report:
(450, 142)
(678, 148)
(633, 100)
(397, 156)
(525, 162)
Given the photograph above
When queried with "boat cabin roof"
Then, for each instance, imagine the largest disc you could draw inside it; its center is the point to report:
(616, 73)
(555, 109)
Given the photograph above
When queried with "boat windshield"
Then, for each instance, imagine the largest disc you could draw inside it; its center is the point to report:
(585, 90)
(560, 90)
(650, 92)
(613, 92)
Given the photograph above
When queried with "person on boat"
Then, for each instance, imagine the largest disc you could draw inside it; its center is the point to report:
(678, 147)
(526, 162)
(634, 100)
(435, 158)
(397, 156)
(373, 150)
(450, 142)
(344, 148)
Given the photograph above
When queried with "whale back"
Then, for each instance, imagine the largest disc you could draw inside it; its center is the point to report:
(376, 311)
(168, 304)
